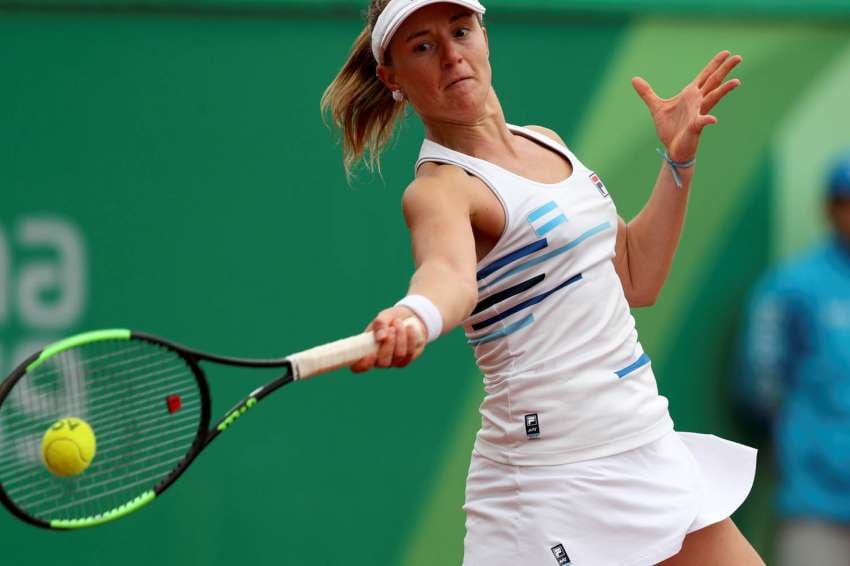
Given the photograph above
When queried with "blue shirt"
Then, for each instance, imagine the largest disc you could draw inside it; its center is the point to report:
(795, 361)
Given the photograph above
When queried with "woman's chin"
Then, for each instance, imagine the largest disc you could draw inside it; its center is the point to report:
(464, 100)
(456, 105)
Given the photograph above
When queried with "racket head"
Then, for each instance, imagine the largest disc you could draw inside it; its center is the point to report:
(147, 402)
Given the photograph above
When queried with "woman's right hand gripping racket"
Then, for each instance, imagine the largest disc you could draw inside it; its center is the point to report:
(96, 426)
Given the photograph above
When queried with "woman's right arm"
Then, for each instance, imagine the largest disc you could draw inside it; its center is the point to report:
(437, 211)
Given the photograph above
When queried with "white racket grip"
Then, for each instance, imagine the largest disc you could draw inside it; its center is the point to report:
(341, 353)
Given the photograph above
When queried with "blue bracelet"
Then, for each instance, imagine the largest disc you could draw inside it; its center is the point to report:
(675, 165)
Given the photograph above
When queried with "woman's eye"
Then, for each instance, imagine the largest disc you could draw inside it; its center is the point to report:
(462, 32)
(421, 47)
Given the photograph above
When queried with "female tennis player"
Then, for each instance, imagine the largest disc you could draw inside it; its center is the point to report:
(577, 461)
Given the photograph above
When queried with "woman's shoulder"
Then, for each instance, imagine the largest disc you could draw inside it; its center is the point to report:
(433, 175)
(442, 181)
(547, 132)
(444, 185)
(430, 171)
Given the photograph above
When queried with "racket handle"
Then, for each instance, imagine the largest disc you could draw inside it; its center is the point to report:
(341, 353)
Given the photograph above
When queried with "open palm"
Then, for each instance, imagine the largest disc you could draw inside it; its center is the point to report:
(679, 120)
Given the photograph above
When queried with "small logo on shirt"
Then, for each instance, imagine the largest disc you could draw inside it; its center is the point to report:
(594, 178)
(532, 426)
(560, 554)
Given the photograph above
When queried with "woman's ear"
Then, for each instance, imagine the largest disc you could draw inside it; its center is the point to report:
(387, 76)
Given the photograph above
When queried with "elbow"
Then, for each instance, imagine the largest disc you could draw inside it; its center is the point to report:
(642, 298)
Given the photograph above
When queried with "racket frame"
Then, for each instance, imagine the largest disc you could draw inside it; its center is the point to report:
(299, 366)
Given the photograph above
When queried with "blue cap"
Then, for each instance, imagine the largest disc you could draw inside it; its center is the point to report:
(838, 185)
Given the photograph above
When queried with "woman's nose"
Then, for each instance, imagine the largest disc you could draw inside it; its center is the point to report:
(450, 54)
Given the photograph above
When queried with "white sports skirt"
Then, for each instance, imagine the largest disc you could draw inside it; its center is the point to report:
(629, 509)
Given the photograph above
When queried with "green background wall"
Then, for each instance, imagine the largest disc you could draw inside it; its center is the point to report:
(167, 170)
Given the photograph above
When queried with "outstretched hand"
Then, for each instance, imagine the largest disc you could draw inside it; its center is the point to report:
(679, 120)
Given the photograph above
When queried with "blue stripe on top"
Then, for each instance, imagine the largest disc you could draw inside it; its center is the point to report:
(640, 362)
(531, 263)
(509, 329)
(540, 211)
(543, 230)
(513, 256)
(525, 304)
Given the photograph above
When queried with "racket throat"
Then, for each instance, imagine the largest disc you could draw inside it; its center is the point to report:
(234, 413)
(249, 402)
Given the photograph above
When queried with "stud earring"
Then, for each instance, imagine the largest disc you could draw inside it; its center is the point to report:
(398, 96)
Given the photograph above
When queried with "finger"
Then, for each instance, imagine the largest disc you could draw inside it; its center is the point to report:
(417, 337)
(378, 328)
(703, 121)
(401, 347)
(403, 362)
(715, 96)
(719, 75)
(367, 362)
(363, 364)
(386, 348)
(712, 66)
(645, 92)
(415, 345)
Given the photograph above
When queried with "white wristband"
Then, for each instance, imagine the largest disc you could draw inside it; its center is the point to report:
(427, 311)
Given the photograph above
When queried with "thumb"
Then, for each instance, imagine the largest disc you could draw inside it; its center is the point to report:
(645, 92)
(704, 121)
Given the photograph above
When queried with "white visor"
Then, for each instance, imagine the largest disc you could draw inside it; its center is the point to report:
(397, 11)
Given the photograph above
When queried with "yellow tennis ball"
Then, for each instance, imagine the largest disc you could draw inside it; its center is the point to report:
(68, 447)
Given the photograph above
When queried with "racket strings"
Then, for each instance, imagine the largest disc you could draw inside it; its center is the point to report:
(163, 386)
(48, 381)
(125, 359)
(108, 476)
(116, 396)
(122, 389)
(114, 436)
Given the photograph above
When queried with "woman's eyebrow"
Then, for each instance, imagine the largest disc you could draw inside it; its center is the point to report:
(416, 34)
(458, 16)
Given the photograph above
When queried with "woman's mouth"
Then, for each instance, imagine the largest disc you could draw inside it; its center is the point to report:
(458, 81)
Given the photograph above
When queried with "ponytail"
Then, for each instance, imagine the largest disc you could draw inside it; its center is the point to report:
(360, 104)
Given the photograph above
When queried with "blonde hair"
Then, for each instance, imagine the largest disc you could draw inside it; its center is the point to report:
(360, 105)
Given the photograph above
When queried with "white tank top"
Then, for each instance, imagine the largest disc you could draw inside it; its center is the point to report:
(564, 374)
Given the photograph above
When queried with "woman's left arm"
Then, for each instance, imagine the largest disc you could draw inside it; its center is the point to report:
(646, 245)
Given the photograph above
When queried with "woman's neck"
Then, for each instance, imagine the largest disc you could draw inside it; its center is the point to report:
(484, 138)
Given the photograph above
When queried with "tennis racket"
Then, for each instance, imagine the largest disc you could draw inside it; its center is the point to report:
(148, 404)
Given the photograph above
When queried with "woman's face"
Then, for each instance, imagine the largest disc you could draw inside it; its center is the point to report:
(440, 61)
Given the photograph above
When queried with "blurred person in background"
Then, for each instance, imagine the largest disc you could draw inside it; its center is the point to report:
(795, 381)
